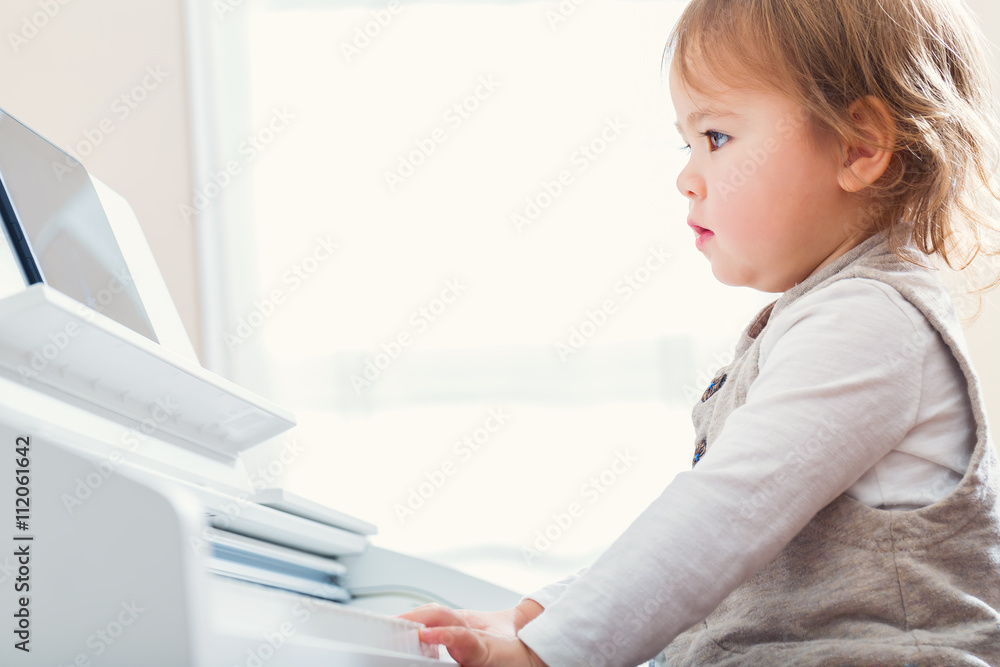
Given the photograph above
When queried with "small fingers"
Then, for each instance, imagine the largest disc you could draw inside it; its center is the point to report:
(434, 615)
(465, 646)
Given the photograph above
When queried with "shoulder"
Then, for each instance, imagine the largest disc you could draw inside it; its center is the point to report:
(848, 314)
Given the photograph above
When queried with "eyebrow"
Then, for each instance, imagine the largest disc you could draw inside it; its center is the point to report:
(696, 117)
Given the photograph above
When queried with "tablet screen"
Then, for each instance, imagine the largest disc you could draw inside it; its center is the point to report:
(59, 228)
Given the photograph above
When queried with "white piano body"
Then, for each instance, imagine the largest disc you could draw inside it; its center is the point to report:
(134, 536)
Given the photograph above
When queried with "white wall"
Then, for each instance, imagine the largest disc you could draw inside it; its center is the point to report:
(68, 76)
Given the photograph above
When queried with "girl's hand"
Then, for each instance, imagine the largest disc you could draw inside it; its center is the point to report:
(478, 639)
(505, 623)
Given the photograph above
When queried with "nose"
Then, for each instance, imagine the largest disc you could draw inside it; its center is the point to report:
(690, 183)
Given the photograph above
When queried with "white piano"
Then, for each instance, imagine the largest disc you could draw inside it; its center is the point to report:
(134, 536)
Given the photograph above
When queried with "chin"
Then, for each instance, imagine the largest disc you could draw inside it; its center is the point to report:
(736, 279)
(727, 278)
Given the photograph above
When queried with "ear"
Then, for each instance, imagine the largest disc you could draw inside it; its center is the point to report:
(865, 160)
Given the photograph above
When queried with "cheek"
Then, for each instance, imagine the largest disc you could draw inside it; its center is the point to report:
(744, 191)
(753, 177)
(767, 188)
(806, 172)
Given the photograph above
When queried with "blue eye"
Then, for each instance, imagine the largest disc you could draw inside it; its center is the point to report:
(717, 139)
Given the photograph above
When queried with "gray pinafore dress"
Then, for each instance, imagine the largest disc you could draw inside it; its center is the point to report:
(859, 585)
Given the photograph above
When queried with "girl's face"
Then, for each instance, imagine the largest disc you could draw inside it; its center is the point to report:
(763, 182)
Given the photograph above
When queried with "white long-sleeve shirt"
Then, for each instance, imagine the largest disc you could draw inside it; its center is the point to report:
(853, 358)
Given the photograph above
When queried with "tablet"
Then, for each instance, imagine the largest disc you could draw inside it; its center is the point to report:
(58, 229)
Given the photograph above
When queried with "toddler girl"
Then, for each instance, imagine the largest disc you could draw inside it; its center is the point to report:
(842, 507)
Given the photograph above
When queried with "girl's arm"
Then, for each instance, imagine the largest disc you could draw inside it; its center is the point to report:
(550, 593)
(838, 388)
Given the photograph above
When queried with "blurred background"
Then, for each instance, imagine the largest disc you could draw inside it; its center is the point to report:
(445, 234)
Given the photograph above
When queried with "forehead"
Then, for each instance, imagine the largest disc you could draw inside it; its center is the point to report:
(696, 104)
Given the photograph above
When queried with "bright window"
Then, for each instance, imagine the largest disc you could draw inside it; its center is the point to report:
(514, 321)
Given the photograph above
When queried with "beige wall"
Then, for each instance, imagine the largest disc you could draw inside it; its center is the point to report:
(65, 80)
(985, 333)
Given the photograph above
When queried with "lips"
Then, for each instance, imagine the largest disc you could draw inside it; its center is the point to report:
(702, 234)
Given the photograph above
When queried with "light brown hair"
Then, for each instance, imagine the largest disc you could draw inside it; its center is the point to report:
(923, 58)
